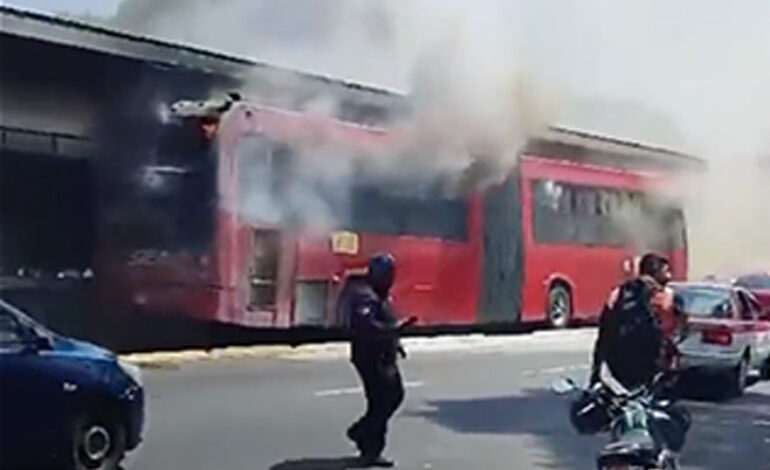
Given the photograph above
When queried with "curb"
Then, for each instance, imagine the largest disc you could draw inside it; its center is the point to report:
(175, 359)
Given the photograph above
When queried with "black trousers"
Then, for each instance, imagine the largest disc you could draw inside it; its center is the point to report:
(384, 392)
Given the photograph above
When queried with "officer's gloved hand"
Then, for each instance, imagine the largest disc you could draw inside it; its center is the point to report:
(402, 352)
(408, 322)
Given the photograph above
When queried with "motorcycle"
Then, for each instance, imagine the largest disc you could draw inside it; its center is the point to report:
(647, 431)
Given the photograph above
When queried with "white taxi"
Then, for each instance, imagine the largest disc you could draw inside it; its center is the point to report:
(729, 333)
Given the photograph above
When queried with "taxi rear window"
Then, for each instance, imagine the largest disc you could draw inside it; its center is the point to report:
(705, 301)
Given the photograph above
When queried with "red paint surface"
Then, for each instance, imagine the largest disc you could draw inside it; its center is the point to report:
(436, 280)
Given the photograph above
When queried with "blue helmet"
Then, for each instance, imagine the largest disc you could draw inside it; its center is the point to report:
(382, 265)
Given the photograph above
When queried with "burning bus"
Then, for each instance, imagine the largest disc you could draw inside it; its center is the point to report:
(209, 230)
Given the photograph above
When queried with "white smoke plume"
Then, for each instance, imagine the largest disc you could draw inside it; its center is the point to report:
(691, 74)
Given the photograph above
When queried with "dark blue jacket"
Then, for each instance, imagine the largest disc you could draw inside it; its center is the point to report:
(373, 327)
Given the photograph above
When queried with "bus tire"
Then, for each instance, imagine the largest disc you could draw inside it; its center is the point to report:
(559, 306)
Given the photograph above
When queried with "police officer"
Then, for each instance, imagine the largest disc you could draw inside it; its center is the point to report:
(374, 350)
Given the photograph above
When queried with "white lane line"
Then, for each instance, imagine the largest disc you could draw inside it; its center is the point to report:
(334, 392)
(338, 391)
(555, 370)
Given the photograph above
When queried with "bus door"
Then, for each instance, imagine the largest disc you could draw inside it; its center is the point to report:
(263, 270)
(502, 274)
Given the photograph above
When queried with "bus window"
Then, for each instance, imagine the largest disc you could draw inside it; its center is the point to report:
(265, 178)
(377, 208)
(601, 217)
(670, 223)
(552, 223)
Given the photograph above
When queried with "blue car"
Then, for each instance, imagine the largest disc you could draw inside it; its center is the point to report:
(64, 403)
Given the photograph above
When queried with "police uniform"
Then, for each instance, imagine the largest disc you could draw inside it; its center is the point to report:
(374, 349)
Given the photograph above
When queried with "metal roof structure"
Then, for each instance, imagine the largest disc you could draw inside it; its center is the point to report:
(55, 144)
(73, 33)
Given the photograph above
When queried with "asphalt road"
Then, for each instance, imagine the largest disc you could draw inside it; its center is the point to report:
(475, 406)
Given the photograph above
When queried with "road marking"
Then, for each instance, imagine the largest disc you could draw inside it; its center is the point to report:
(334, 392)
(555, 370)
(338, 391)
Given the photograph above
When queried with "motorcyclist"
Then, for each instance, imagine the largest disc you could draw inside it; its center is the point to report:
(634, 361)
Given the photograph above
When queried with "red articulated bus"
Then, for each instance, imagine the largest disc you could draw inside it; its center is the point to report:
(207, 233)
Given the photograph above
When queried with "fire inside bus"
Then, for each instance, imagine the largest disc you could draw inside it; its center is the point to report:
(219, 226)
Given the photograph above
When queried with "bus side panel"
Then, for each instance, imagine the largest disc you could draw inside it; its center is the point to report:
(589, 271)
(436, 280)
(459, 273)
(502, 273)
(433, 279)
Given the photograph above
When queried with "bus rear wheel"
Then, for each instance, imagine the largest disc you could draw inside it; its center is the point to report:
(559, 309)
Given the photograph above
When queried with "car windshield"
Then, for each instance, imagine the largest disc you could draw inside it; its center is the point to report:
(759, 281)
(25, 320)
(705, 301)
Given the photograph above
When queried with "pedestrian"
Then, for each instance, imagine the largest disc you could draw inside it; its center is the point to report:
(374, 348)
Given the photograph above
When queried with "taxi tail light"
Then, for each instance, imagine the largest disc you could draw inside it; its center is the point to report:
(719, 335)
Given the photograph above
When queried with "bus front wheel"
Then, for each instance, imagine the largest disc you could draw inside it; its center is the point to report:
(559, 308)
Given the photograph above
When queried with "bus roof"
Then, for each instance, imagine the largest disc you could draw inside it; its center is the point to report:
(587, 147)
(250, 118)
(558, 143)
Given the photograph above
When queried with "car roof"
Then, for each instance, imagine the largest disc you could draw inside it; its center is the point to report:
(702, 285)
(714, 286)
(758, 274)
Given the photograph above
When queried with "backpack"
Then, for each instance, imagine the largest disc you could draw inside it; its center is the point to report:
(635, 351)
